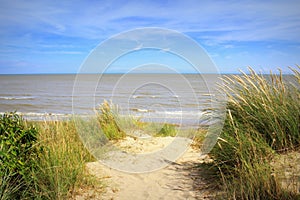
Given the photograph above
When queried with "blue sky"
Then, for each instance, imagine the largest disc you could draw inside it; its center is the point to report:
(56, 36)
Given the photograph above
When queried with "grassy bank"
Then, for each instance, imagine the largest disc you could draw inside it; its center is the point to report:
(41, 160)
(62, 160)
(46, 159)
(263, 120)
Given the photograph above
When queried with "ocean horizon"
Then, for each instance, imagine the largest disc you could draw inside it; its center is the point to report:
(172, 98)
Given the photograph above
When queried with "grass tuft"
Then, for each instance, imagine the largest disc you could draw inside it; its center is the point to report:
(41, 160)
(62, 161)
(167, 130)
(107, 116)
(263, 119)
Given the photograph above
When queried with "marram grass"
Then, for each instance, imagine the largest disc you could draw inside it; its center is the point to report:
(271, 106)
(107, 115)
(62, 161)
(263, 118)
(41, 160)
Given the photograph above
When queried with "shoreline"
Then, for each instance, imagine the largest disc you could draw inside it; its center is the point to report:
(40, 117)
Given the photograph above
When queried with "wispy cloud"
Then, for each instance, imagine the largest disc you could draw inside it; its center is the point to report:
(75, 27)
(62, 52)
(233, 20)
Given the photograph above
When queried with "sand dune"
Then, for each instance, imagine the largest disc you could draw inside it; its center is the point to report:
(182, 179)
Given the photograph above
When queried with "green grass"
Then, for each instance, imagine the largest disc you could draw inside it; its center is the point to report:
(167, 130)
(62, 161)
(263, 119)
(42, 160)
(108, 115)
(115, 127)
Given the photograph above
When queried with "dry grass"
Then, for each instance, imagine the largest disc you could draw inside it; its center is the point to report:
(107, 116)
(263, 119)
(62, 162)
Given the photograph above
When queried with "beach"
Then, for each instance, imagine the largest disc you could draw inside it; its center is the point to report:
(150, 152)
(181, 179)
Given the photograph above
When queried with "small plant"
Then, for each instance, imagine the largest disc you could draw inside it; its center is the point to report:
(198, 137)
(107, 116)
(167, 130)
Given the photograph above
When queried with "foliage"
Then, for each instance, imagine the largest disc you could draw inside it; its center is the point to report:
(40, 160)
(18, 157)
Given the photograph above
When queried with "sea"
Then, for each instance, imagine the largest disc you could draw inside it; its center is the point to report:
(172, 98)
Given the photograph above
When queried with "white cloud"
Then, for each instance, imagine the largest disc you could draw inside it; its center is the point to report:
(61, 52)
(74, 27)
(230, 20)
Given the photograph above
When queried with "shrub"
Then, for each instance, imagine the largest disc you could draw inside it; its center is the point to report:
(18, 157)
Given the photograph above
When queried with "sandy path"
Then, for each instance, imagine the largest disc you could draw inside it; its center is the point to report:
(180, 180)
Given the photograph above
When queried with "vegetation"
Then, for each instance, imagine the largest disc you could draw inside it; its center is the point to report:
(167, 130)
(46, 160)
(263, 119)
(108, 116)
(62, 161)
(18, 157)
(115, 127)
(41, 160)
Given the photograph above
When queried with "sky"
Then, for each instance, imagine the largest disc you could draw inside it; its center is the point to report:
(57, 36)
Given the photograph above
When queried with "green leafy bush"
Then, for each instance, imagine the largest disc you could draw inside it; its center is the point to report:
(18, 157)
(46, 162)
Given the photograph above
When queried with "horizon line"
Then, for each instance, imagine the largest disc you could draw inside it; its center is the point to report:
(119, 73)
